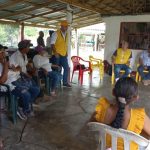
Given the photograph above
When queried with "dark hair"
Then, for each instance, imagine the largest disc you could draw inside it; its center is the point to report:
(125, 89)
(51, 32)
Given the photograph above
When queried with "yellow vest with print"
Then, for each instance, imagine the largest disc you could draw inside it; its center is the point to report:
(122, 56)
(61, 44)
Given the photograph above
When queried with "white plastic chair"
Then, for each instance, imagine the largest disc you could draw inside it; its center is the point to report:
(126, 135)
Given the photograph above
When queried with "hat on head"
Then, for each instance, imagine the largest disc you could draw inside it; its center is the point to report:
(24, 44)
(39, 48)
(3, 47)
(64, 23)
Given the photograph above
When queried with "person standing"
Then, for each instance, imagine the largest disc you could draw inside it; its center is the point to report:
(121, 60)
(40, 40)
(59, 45)
(48, 42)
(144, 64)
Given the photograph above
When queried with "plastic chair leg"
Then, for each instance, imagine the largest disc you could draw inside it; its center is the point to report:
(48, 83)
(112, 78)
(14, 108)
(137, 76)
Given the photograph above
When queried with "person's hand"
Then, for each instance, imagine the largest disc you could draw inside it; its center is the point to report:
(145, 68)
(56, 55)
(128, 63)
(18, 68)
(45, 72)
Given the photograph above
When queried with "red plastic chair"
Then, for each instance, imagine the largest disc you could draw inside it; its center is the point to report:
(81, 66)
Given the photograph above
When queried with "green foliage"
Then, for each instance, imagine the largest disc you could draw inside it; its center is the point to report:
(9, 34)
(30, 31)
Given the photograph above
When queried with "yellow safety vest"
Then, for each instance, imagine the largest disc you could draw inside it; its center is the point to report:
(61, 44)
(122, 56)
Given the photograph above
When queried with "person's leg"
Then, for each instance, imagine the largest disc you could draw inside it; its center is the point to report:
(53, 75)
(56, 61)
(34, 91)
(24, 96)
(127, 70)
(117, 69)
(141, 73)
(64, 64)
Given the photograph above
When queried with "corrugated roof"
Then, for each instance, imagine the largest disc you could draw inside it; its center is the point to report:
(48, 13)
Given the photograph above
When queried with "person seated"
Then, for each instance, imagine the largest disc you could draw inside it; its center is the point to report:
(19, 61)
(41, 61)
(25, 90)
(121, 60)
(144, 64)
(120, 115)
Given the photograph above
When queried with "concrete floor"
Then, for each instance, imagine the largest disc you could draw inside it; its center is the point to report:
(61, 123)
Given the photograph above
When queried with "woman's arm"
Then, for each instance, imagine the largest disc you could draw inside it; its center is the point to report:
(92, 119)
(146, 128)
(4, 73)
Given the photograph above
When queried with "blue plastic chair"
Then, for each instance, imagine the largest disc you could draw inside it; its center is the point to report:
(11, 101)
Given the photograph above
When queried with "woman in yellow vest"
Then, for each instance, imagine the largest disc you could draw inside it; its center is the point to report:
(59, 45)
(121, 60)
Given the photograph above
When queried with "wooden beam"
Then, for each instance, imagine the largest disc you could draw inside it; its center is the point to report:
(42, 14)
(54, 18)
(80, 5)
(85, 16)
(27, 24)
(86, 24)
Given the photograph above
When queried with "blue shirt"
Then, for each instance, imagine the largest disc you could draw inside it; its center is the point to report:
(145, 56)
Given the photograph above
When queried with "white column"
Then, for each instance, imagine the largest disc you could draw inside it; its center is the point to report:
(69, 20)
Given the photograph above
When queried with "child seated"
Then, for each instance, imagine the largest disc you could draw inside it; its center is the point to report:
(120, 115)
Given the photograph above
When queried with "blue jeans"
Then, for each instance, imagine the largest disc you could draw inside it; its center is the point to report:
(145, 76)
(118, 67)
(55, 77)
(62, 61)
(27, 94)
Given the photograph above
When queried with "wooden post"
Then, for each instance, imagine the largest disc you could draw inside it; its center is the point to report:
(22, 31)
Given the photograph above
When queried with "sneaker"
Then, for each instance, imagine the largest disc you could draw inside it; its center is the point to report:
(30, 114)
(21, 115)
(53, 94)
(67, 85)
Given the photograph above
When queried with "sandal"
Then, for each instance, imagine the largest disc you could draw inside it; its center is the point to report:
(53, 94)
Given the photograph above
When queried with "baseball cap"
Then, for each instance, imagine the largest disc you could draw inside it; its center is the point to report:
(39, 48)
(64, 23)
(24, 44)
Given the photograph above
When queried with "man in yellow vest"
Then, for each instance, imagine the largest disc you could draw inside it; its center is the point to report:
(59, 45)
(121, 60)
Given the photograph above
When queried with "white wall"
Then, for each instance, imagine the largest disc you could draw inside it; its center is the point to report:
(113, 32)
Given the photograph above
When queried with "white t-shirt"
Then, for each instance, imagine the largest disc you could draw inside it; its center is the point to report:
(48, 42)
(42, 62)
(17, 60)
(54, 36)
(12, 76)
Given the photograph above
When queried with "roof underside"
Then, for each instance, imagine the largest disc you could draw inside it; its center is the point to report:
(48, 13)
